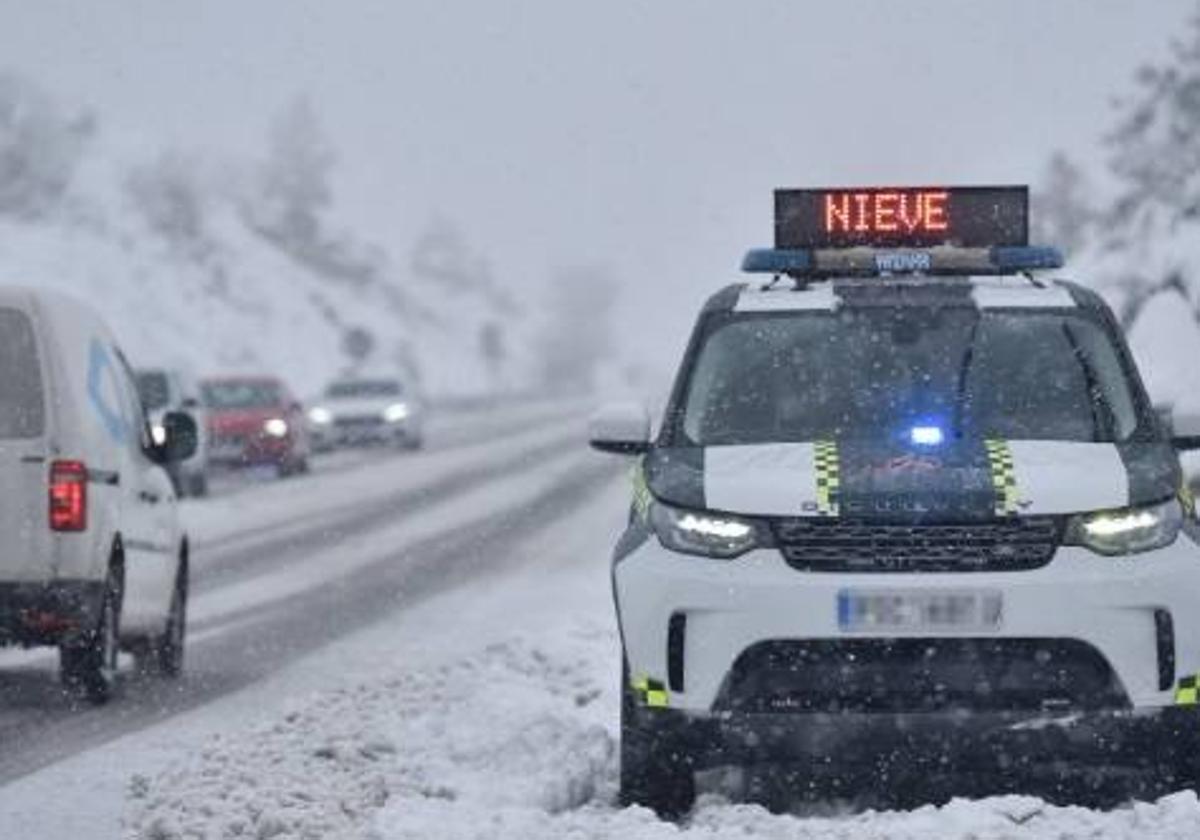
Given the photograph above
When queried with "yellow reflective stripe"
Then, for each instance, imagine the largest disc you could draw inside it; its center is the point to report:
(1187, 499)
(641, 492)
(652, 693)
(657, 699)
(1188, 692)
(829, 477)
(1004, 477)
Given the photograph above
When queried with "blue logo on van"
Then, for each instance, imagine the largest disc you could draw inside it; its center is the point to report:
(100, 369)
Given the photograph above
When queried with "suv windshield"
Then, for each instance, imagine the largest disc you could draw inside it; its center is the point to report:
(241, 394)
(21, 404)
(863, 373)
(153, 389)
(363, 388)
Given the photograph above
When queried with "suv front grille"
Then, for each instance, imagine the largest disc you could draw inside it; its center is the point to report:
(831, 545)
(363, 422)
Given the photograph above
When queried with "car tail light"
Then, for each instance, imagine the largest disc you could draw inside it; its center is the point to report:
(68, 496)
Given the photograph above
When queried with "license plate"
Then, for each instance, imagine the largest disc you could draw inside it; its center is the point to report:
(226, 451)
(977, 611)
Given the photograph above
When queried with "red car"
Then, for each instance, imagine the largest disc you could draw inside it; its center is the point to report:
(255, 420)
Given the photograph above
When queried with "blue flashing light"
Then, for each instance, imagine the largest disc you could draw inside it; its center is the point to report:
(776, 261)
(927, 435)
(1026, 258)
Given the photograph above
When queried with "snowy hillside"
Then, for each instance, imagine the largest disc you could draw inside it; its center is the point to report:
(224, 267)
(245, 306)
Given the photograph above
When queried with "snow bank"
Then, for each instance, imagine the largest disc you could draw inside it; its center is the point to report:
(515, 727)
(1174, 818)
(517, 741)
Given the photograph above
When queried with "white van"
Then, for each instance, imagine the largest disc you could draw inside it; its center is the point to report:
(94, 557)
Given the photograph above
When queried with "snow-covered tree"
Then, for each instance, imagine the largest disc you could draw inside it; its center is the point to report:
(1156, 145)
(1063, 207)
(294, 188)
(1154, 226)
(493, 348)
(578, 334)
(40, 146)
(442, 255)
(169, 195)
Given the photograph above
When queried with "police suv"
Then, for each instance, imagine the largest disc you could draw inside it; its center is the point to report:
(909, 519)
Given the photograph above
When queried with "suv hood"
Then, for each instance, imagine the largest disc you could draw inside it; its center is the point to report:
(965, 480)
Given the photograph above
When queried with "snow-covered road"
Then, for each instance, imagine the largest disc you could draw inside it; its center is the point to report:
(448, 674)
(282, 568)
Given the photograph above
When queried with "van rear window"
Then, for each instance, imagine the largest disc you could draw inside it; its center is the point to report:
(22, 405)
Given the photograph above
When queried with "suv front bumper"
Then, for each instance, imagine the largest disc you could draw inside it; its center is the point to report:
(1115, 606)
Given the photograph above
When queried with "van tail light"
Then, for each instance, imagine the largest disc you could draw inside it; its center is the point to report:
(68, 496)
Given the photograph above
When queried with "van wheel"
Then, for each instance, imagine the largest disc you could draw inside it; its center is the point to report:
(656, 772)
(88, 665)
(197, 486)
(163, 655)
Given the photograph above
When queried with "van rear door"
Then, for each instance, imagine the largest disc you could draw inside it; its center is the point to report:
(24, 525)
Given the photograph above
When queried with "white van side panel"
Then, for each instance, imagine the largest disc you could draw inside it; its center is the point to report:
(87, 428)
(93, 415)
(27, 550)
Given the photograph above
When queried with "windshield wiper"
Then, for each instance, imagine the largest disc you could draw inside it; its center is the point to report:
(1103, 418)
(964, 370)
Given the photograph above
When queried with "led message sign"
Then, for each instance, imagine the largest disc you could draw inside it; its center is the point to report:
(902, 217)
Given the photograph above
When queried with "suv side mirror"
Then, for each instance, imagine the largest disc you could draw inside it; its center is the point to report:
(180, 437)
(1185, 431)
(620, 429)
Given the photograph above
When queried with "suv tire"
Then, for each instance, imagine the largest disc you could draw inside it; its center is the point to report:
(656, 770)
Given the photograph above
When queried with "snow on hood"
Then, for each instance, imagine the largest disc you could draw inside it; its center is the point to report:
(1052, 477)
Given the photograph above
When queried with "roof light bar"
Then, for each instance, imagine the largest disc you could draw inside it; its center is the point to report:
(874, 262)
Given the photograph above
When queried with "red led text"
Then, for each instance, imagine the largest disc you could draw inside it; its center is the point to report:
(894, 211)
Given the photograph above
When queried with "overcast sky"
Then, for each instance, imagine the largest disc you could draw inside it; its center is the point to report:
(646, 135)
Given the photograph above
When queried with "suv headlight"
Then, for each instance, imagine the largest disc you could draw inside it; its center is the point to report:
(706, 534)
(1127, 531)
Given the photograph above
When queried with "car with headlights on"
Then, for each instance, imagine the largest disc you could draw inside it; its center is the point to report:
(166, 390)
(366, 411)
(909, 516)
(255, 421)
